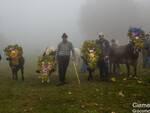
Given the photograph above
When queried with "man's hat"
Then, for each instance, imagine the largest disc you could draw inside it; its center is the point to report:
(64, 35)
(147, 35)
(101, 34)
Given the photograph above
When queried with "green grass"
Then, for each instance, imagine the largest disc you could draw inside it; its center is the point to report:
(31, 96)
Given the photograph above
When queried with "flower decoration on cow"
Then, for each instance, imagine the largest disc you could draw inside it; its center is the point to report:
(136, 36)
(46, 65)
(90, 53)
(14, 52)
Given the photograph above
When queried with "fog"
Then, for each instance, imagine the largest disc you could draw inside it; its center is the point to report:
(114, 17)
(36, 24)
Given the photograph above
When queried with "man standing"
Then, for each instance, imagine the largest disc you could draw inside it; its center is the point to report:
(63, 56)
(104, 45)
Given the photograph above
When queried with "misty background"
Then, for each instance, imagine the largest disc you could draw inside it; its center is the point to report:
(114, 17)
(36, 24)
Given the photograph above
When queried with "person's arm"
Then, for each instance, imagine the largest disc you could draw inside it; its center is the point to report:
(57, 51)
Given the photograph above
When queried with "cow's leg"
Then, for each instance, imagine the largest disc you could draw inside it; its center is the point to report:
(48, 79)
(135, 70)
(16, 74)
(106, 72)
(110, 68)
(118, 69)
(114, 68)
(100, 72)
(22, 73)
(90, 75)
(128, 69)
(13, 73)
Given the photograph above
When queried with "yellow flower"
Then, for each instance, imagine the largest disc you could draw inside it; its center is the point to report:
(14, 53)
(138, 42)
(113, 79)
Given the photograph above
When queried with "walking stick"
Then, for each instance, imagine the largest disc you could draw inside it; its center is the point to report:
(75, 68)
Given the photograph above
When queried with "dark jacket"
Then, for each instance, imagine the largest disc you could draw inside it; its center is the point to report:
(104, 45)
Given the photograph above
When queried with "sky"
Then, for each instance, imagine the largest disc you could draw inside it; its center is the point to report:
(37, 24)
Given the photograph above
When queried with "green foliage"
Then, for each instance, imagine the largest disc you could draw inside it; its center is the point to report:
(46, 60)
(14, 52)
(90, 53)
(9, 48)
(137, 40)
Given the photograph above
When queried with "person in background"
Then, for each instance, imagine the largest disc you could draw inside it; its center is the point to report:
(63, 53)
(114, 43)
(146, 52)
(83, 68)
(116, 67)
(103, 63)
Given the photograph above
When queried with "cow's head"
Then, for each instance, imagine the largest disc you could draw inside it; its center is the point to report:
(14, 53)
(92, 53)
(138, 42)
(46, 67)
(137, 36)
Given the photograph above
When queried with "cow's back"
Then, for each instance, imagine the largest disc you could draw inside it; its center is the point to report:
(123, 54)
(118, 53)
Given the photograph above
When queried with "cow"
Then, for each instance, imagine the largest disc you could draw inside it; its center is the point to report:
(16, 67)
(46, 64)
(16, 60)
(90, 56)
(129, 54)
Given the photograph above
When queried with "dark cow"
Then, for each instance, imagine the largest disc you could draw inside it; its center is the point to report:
(127, 54)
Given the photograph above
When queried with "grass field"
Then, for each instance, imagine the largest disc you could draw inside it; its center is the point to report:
(31, 96)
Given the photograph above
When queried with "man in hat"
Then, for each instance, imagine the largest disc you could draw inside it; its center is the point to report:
(63, 53)
(104, 45)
